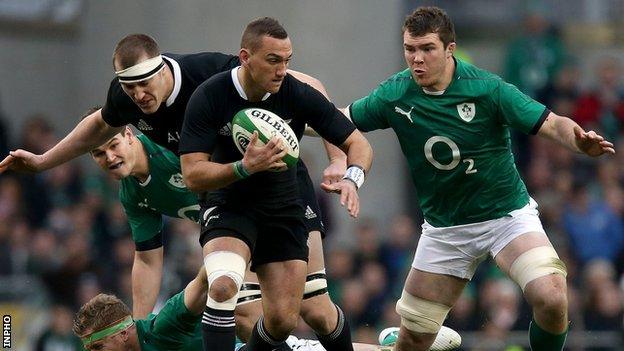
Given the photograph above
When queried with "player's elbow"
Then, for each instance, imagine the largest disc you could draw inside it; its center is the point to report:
(192, 182)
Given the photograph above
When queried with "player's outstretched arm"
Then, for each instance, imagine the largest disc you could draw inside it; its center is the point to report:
(146, 279)
(196, 293)
(90, 133)
(566, 132)
(359, 158)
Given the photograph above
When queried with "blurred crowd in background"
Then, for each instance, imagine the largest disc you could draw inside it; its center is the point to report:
(64, 236)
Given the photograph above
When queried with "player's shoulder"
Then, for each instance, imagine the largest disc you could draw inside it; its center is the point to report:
(200, 66)
(468, 73)
(395, 86)
(220, 80)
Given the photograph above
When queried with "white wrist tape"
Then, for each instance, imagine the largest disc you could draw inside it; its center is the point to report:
(355, 174)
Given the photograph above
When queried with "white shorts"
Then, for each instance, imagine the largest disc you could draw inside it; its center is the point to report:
(458, 250)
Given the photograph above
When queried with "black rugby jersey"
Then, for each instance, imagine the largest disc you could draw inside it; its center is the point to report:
(163, 126)
(207, 128)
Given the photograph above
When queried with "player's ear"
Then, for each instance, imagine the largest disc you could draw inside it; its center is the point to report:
(244, 54)
(124, 335)
(450, 49)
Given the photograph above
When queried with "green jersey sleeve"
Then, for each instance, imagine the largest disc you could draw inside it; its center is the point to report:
(369, 113)
(144, 222)
(175, 319)
(520, 111)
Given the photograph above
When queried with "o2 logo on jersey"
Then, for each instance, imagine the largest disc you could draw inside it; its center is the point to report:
(455, 153)
(189, 212)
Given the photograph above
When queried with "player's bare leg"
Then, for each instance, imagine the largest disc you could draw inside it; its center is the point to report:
(280, 302)
(225, 261)
(249, 307)
(317, 309)
(435, 292)
(546, 294)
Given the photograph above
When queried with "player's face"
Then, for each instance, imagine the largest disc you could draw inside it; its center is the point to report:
(113, 342)
(269, 62)
(427, 59)
(147, 94)
(116, 157)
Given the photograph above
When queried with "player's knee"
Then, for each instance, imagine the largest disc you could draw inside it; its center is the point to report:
(537, 263)
(222, 289)
(551, 300)
(225, 271)
(420, 315)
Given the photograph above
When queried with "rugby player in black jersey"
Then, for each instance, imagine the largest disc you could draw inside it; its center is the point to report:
(250, 213)
(154, 101)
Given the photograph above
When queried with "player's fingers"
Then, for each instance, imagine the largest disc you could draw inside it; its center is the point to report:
(330, 188)
(273, 143)
(279, 165)
(254, 138)
(7, 161)
(606, 143)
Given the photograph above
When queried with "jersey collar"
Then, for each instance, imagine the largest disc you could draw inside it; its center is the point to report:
(239, 86)
(177, 80)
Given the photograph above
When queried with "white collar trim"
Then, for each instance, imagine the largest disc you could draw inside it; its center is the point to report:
(177, 80)
(428, 92)
(144, 184)
(239, 86)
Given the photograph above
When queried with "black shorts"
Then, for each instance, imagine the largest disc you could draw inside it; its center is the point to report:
(312, 215)
(272, 236)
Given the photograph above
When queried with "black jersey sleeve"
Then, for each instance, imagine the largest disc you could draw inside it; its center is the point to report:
(112, 111)
(321, 114)
(200, 128)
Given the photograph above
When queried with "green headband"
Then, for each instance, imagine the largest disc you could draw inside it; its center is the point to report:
(123, 324)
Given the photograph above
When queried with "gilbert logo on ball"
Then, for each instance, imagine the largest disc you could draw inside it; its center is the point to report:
(268, 124)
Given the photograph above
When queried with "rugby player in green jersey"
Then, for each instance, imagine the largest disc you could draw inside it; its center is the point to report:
(453, 121)
(151, 186)
(105, 323)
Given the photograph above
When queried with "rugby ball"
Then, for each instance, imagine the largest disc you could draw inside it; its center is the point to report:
(268, 124)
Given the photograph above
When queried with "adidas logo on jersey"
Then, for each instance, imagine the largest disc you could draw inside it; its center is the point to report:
(142, 125)
(309, 213)
(226, 130)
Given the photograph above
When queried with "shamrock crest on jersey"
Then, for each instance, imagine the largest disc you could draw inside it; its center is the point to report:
(466, 111)
(177, 181)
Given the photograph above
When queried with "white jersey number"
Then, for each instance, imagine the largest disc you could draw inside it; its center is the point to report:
(454, 151)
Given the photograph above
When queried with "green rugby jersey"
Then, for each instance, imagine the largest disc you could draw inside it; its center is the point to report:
(457, 143)
(173, 328)
(163, 193)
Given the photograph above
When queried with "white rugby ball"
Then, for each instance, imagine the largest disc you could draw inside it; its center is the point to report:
(268, 124)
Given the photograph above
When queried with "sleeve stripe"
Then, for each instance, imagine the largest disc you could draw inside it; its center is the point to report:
(540, 121)
(150, 244)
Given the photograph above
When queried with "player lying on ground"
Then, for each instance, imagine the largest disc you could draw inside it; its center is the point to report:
(105, 323)
(151, 91)
(133, 159)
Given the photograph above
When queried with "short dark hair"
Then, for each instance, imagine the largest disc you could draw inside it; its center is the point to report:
(132, 47)
(430, 19)
(256, 29)
(100, 312)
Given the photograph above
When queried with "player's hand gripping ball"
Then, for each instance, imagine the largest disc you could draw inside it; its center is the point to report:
(268, 124)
